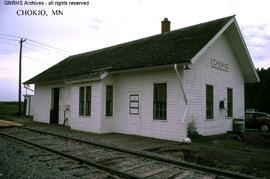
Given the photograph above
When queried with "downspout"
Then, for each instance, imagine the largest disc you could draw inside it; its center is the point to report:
(182, 88)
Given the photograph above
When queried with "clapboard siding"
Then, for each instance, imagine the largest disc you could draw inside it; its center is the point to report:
(42, 103)
(200, 74)
(86, 123)
(142, 82)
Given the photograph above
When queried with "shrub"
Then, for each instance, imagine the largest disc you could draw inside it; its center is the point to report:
(192, 129)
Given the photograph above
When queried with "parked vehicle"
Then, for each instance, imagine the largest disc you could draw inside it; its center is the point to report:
(257, 120)
(251, 110)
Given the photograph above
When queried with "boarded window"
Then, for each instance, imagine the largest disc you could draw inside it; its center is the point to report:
(134, 104)
(109, 100)
(160, 101)
(85, 101)
(229, 102)
(209, 102)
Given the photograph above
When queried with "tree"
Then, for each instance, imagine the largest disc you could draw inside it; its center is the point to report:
(257, 95)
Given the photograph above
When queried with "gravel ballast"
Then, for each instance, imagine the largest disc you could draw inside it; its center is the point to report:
(15, 162)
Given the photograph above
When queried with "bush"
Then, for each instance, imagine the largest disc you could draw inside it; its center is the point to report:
(192, 129)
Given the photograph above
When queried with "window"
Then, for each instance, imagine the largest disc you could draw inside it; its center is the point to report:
(109, 100)
(160, 101)
(209, 102)
(81, 101)
(134, 104)
(229, 102)
(88, 101)
(248, 115)
(85, 101)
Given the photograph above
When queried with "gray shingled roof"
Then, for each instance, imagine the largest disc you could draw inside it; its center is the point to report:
(178, 46)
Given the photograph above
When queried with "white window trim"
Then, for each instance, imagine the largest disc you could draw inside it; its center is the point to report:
(84, 101)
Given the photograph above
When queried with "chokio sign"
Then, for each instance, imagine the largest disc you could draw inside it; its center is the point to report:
(219, 65)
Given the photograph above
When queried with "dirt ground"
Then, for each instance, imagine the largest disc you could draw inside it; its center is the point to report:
(247, 153)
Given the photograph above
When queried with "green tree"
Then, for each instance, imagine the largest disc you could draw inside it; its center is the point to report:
(257, 95)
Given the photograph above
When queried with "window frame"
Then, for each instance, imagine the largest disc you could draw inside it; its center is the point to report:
(109, 111)
(134, 101)
(230, 103)
(162, 113)
(211, 116)
(85, 101)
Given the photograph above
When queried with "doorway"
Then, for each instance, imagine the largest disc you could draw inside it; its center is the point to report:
(134, 117)
(54, 113)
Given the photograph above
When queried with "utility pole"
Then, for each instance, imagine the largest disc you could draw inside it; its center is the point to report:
(20, 77)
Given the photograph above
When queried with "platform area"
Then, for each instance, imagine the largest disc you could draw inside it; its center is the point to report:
(114, 139)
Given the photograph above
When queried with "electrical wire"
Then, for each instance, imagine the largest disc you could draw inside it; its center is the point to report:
(8, 43)
(43, 52)
(8, 39)
(49, 46)
(47, 49)
(36, 47)
(11, 36)
(35, 42)
(31, 58)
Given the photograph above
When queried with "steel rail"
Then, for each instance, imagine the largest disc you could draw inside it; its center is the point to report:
(93, 164)
(224, 173)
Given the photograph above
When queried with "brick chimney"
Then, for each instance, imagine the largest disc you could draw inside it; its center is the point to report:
(165, 25)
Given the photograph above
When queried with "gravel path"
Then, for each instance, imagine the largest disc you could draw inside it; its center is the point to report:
(16, 163)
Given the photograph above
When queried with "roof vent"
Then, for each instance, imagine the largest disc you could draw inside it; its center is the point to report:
(165, 25)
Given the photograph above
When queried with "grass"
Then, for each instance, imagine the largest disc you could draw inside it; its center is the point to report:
(228, 141)
(9, 108)
(247, 153)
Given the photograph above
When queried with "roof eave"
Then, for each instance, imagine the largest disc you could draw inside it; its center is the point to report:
(255, 77)
(43, 82)
(205, 48)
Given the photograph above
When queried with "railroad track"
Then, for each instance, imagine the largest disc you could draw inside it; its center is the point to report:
(117, 162)
(71, 168)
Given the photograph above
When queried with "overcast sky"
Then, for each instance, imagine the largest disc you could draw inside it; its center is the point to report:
(105, 23)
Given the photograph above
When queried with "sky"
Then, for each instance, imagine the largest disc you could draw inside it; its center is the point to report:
(103, 23)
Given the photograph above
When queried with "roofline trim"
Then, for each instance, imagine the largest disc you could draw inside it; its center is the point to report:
(247, 52)
(147, 68)
(44, 83)
(198, 54)
(85, 79)
(82, 80)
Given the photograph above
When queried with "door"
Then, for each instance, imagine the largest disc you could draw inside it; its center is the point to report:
(54, 113)
(134, 112)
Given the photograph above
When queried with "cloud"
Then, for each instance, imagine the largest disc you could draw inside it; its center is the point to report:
(257, 38)
(263, 63)
(95, 23)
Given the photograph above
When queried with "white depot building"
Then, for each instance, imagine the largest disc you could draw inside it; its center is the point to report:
(153, 86)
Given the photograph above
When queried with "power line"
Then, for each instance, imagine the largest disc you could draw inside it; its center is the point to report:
(8, 39)
(10, 36)
(8, 43)
(31, 58)
(36, 42)
(42, 52)
(45, 48)
(45, 52)
(49, 46)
